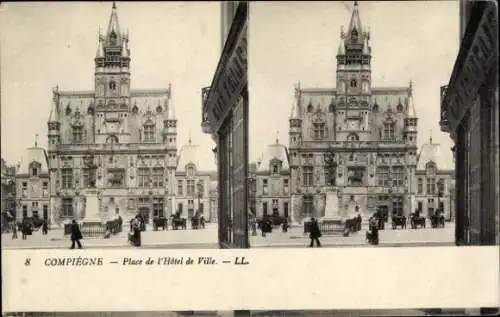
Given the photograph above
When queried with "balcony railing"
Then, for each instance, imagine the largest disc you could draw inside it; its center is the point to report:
(355, 144)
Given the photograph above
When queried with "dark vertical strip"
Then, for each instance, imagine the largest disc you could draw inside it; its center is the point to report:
(486, 236)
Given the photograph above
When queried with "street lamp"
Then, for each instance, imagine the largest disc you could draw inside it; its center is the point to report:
(200, 189)
(440, 194)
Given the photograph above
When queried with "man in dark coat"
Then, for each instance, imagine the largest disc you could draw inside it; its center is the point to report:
(45, 227)
(315, 233)
(76, 235)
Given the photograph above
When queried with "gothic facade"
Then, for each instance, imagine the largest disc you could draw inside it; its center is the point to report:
(358, 139)
(121, 141)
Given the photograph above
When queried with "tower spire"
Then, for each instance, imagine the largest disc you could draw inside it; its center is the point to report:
(355, 31)
(36, 140)
(277, 137)
(295, 104)
(189, 140)
(430, 136)
(113, 34)
(171, 110)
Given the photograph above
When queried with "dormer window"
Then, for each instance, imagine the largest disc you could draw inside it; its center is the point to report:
(113, 38)
(431, 168)
(275, 166)
(354, 35)
(190, 170)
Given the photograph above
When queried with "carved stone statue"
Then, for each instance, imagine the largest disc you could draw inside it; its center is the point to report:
(331, 168)
(89, 163)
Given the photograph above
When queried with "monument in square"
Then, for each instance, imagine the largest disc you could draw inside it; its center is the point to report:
(91, 201)
(333, 211)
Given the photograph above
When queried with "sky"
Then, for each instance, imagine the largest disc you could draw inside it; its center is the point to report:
(292, 41)
(54, 43)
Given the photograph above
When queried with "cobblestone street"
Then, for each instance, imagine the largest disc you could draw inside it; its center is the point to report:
(207, 239)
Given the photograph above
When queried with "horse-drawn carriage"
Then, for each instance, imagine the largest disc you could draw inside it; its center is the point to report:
(352, 225)
(417, 221)
(398, 221)
(437, 220)
(178, 222)
(160, 222)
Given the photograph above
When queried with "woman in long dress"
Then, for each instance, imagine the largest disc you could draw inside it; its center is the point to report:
(136, 227)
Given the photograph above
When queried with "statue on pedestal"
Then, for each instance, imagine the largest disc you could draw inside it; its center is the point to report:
(92, 167)
(331, 168)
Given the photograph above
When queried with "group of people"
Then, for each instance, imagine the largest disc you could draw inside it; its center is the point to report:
(137, 225)
(26, 227)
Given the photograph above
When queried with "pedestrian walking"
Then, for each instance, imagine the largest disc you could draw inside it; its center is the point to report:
(136, 231)
(314, 233)
(14, 231)
(45, 227)
(284, 225)
(76, 235)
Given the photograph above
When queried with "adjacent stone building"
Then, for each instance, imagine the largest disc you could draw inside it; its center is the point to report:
(470, 113)
(8, 194)
(272, 180)
(367, 133)
(112, 141)
(434, 180)
(32, 185)
(194, 183)
(224, 115)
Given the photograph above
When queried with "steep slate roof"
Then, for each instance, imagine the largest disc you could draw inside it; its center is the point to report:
(273, 151)
(34, 154)
(436, 153)
(384, 97)
(201, 157)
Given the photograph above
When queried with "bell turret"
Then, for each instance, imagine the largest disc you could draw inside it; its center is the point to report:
(410, 119)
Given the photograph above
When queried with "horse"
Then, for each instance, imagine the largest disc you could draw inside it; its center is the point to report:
(398, 221)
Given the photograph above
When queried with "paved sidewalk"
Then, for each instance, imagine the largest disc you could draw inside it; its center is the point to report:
(208, 238)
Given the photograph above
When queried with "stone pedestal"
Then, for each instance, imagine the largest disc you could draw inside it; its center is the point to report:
(332, 207)
(92, 207)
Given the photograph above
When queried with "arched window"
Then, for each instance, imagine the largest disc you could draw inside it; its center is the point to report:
(309, 108)
(331, 107)
(354, 83)
(112, 85)
(352, 137)
(112, 139)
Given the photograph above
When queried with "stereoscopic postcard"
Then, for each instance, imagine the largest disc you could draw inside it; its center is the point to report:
(250, 158)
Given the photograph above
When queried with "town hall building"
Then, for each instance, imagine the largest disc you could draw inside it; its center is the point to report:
(113, 143)
(353, 147)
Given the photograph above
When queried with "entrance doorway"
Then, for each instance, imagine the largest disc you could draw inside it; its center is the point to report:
(383, 212)
(144, 212)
